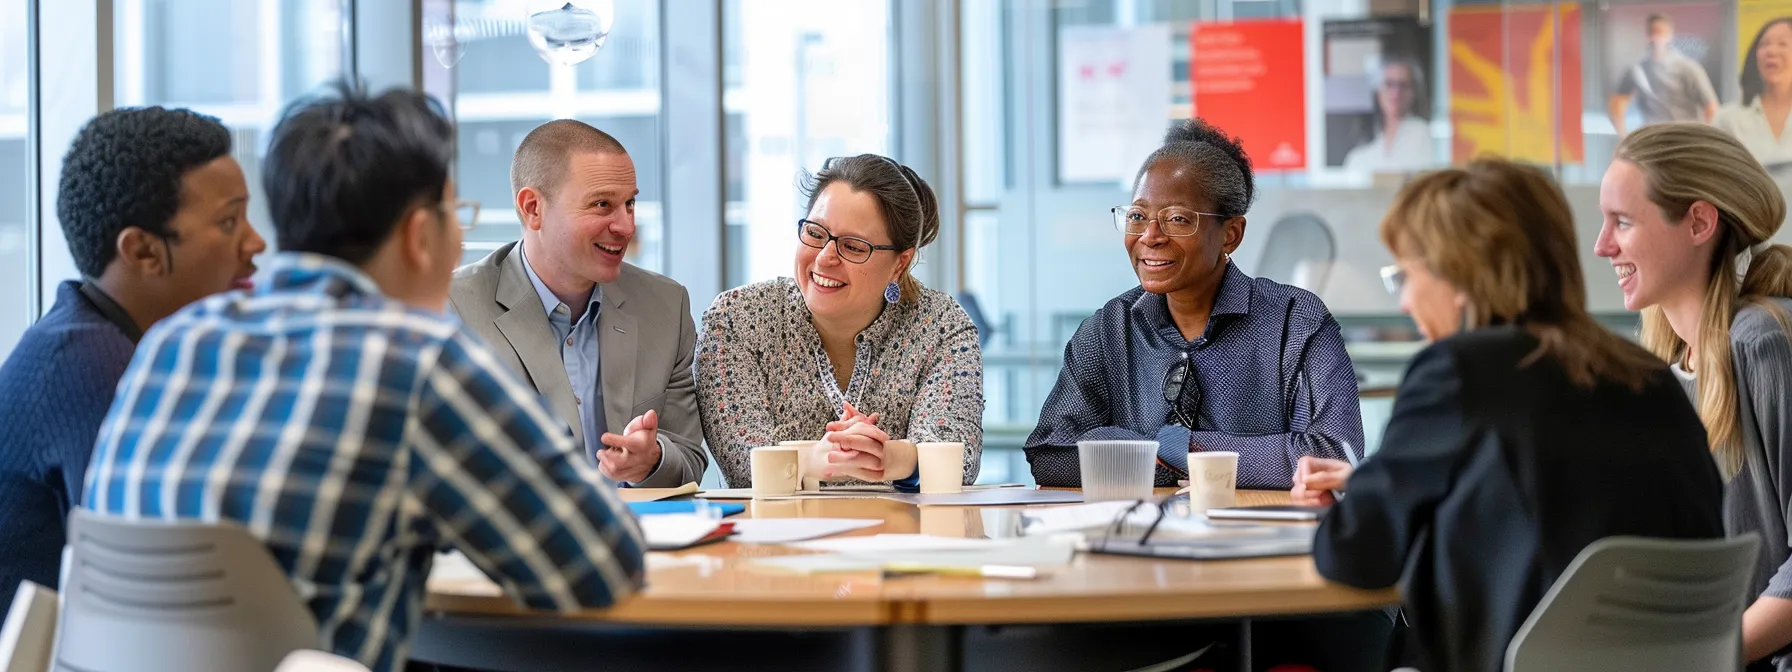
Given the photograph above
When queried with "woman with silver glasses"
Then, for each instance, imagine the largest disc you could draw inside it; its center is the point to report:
(851, 350)
(1523, 433)
(1200, 356)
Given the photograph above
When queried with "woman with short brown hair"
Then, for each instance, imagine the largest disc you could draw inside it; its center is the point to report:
(1524, 432)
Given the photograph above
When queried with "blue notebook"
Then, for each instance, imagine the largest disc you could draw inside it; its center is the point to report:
(682, 506)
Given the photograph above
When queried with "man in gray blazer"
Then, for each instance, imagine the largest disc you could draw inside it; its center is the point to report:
(608, 344)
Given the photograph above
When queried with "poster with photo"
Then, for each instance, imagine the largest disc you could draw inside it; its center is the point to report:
(1753, 18)
(1764, 65)
(1378, 95)
(1504, 75)
(1662, 63)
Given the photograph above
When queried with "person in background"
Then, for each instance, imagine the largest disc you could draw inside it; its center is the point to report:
(348, 423)
(1688, 216)
(1200, 356)
(608, 344)
(1666, 85)
(851, 349)
(1402, 141)
(1759, 119)
(1524, 432)
(154, 210)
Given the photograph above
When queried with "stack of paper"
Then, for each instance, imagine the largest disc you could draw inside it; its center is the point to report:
(785, 530)
(908, 552)
(673, 531)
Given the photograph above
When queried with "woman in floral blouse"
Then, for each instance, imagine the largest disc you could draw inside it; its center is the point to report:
(852, 350)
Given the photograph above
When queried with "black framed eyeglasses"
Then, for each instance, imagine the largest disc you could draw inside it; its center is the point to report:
(855, 250)
(1118, 527)
(1393, 278)
(1179, 386)
(1174, 222)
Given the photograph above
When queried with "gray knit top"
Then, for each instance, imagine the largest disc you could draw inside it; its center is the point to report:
(1759, 498)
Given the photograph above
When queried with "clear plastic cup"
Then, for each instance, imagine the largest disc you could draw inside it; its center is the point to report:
(1116, 470)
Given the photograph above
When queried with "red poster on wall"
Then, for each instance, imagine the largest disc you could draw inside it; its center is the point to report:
(1249, 81)
(1505, 79)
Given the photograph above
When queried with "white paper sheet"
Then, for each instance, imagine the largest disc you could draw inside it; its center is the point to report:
(993, 497)
(671, 531)
(884, 543)
(832, 491)
(973, 494)
(785, 530)
(923, 550)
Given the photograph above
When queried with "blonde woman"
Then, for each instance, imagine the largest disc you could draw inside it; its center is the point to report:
(1523, 433)
(1688, 213)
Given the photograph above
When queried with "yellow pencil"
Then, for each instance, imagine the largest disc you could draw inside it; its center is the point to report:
(982, 571)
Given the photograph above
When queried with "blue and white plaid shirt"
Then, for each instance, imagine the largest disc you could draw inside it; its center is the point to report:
(356, 436)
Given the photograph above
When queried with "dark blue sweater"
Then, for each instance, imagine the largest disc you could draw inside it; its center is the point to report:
(55, 389)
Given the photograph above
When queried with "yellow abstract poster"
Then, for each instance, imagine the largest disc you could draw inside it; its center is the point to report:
(1504, 80)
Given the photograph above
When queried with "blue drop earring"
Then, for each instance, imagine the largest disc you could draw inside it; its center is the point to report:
(892, 293)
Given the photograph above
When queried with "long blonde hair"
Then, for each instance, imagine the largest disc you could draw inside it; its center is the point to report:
(1502, 234)
(1683, 164)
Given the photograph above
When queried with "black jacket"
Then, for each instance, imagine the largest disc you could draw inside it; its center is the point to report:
(1493, 476)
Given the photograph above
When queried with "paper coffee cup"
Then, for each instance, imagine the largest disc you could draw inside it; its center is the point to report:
(776, 470)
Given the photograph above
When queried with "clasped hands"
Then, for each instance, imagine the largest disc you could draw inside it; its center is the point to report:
(854, 447)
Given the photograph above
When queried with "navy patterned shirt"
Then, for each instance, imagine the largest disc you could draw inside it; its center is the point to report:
(1274, 384)
(355, 436)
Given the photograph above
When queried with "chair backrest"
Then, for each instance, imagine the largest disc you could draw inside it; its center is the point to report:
(29, 631)
(1299, 251)
(974, 310)
(1637, 604)
(155, 596)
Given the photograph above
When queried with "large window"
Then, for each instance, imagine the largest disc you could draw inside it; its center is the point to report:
(239, 60)
(804, 80)
(1338, 105)
(15, 163)
(500, 89)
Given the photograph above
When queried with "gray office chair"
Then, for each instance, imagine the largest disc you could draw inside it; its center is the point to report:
(1642, 605)
(1299, 251)
(157, 596)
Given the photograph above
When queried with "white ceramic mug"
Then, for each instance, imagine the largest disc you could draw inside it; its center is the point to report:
(941, 466)
(1212, 479)
(776, 471)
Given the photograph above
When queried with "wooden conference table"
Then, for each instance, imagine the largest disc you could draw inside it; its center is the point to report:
(917, 618)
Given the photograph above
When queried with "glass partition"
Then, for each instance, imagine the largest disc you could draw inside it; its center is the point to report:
(1338, 102)
(479, 61)
(15, 164)
(803, 80)
(239, 61)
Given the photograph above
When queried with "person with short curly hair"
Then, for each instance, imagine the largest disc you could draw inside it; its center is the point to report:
(154, 210)
(1200, 356)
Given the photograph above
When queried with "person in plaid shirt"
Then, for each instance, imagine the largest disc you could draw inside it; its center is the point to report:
(336, 412)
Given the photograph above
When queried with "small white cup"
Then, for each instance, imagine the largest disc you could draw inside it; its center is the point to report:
(806, 453)
(1212, 480)
(941, 466)
(776, 470)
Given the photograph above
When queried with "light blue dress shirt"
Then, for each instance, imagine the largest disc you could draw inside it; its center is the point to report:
(578, 353)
